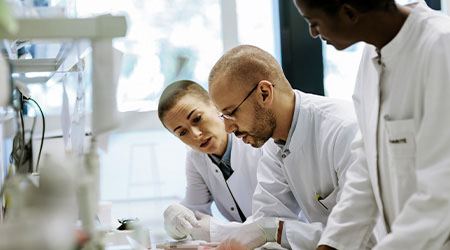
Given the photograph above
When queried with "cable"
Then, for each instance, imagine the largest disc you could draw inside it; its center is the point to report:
(32, 127)
(22, 139)
(43, 132)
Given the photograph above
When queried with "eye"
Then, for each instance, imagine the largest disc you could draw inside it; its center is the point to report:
(313, 25)
(197, 119)
(183, 132)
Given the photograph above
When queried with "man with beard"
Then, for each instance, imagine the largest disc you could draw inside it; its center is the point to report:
(302, 170)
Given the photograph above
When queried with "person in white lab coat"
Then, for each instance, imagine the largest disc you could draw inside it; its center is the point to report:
(303, 168)
(220, 168)
(402, 103)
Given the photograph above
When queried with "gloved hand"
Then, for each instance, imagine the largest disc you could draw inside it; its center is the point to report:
(202, 232)
(252, 235)
(231, 244)
(179, 221)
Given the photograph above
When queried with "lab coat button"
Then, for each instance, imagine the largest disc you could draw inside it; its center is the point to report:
(287, 151)
(217, 171)
(232, 208)
(283, 156)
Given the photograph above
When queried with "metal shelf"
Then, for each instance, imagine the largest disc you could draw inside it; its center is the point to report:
(34, 65)
(65, 29)
(71, 34)
(90, 34)
(105, 26)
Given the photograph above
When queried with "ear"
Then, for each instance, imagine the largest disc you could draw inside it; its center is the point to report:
(265, 92)
(349, 13)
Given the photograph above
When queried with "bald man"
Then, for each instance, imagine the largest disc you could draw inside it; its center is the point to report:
(302, 170)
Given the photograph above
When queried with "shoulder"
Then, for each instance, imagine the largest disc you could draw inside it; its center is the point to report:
(432, 28)
(432, 44)
(434, 20)
(328, 109)
(239, 147)
(195, 158)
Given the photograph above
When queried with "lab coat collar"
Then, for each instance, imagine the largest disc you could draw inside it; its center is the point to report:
(227, 156)
(397, 44)
(285, 146)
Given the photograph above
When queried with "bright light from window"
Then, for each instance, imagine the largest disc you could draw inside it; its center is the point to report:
(256, 24)
(403, 2)
(341, 68)
(166, 41)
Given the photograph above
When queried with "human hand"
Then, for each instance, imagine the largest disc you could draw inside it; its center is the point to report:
(252, 235)
(179, 221)
(202, 232)
(231, 244)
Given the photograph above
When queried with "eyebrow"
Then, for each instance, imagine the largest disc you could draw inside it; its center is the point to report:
(176, 128)
(227, 108)
(188, 117)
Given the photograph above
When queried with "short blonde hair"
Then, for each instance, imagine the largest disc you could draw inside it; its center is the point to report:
(177, 90)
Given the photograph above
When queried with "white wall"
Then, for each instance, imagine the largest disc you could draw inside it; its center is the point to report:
(447, 6)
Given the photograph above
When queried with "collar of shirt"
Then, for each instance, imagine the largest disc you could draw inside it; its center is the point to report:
(284, 145)
(226, 158)
(403, 36)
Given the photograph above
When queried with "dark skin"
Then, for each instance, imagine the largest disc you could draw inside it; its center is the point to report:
(381, 27)
(349, 26)
(323, 247)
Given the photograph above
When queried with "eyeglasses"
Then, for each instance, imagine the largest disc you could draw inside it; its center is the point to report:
(230, 116)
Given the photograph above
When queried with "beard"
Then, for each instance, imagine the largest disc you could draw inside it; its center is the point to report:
(265, 124)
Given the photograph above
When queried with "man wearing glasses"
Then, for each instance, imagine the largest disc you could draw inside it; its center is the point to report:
(302, 170)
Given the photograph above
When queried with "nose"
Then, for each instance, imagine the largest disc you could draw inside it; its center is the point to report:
(196, 132)
(313, 31)
(230, 126)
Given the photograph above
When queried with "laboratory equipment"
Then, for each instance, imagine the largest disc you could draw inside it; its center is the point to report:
(41, 209)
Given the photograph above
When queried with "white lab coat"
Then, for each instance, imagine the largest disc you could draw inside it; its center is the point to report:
(403, 112)
(319, 157)
(205, 182)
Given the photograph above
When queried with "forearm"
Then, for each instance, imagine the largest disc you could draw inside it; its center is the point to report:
(351, 222)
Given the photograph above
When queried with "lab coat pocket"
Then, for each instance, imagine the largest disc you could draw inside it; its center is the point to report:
(401, 150)
(327, 203)
(401, 139)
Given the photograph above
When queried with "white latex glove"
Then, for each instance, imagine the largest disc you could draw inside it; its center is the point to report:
(179, 221)
(231, 244)
(252, 235)
(202, 232)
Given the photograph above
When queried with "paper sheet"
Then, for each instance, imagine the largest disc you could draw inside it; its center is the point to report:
(79, 113)
(106, 65)
(65, 116)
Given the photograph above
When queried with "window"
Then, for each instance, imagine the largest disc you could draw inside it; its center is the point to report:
(340, 69)
(258, 24)
(166, 41)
